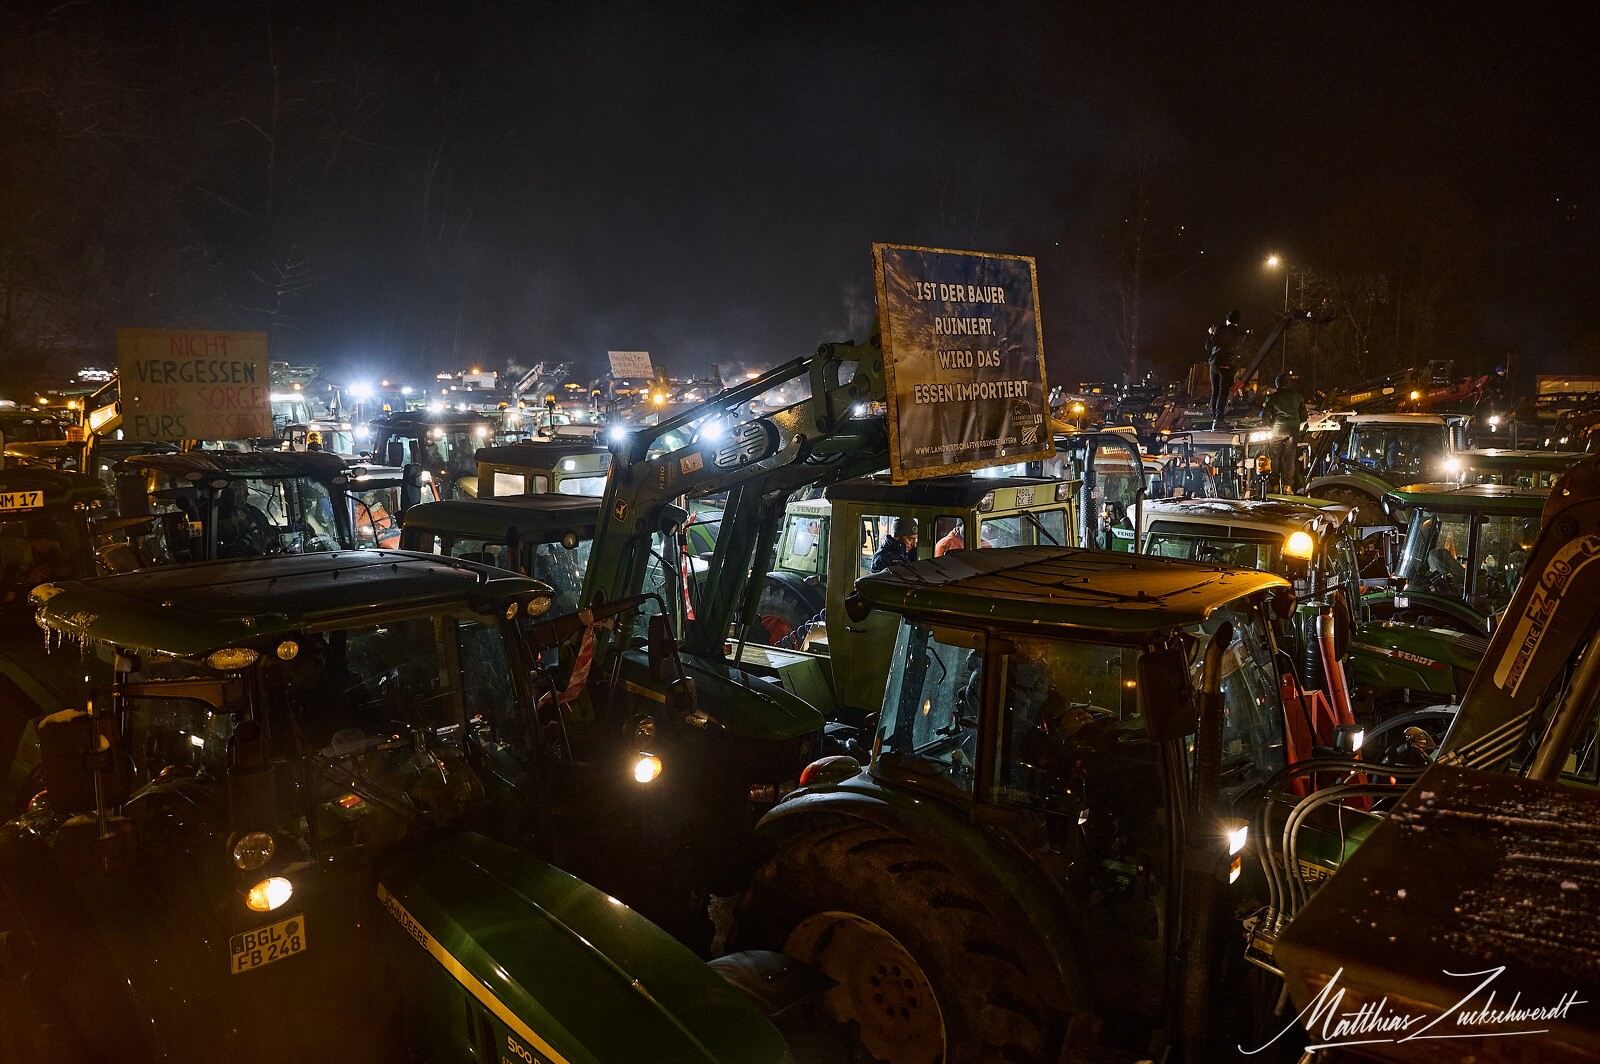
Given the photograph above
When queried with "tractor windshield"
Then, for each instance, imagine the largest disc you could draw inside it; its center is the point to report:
(1471, 558)
(386, 709)
(1215, 550)
(1399, 449)
(1065, 705)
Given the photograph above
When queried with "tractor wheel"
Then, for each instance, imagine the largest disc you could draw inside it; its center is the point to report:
(782, 610)
(1368, 510)
(925, 973)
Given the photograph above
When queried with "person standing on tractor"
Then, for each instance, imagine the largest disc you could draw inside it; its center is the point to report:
(1285, 409)
(900, 548)
(1223, 343)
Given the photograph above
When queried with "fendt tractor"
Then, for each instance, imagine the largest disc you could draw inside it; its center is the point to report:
(1469, 922)
(1044, 856)
(305, 821)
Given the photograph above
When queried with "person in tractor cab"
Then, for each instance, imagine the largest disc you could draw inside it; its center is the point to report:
(955, 539)
(241, 527)
(899, 548)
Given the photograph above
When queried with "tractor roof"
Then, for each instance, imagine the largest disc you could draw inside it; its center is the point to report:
(543, 454)
(1472, 498)
(1064, 587)
(203, 465)
(401, 421)
(1221, 517)
(1483, 457)
(1394, 419)
(962, 492)
(540, 518)
(186, 610)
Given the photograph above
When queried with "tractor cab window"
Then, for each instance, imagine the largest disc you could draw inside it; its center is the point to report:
(1503, 546)
(1252, 728)
(1235, 553)
(1047, 528)
(582, 485)
(383, 709)
(1436, 554)
(1398, 449)
(929, 722)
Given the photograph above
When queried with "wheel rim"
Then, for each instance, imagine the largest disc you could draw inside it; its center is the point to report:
(881, 988)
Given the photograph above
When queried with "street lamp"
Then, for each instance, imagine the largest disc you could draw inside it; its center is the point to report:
(1276, 262)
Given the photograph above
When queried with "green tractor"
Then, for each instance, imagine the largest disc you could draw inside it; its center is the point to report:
(1375, 452)
(206, 505)
(1464, 551)
(1042, 857)
(1468, 914)
(307, 818)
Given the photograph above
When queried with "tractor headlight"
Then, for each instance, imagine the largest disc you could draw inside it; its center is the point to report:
(1238, 834)
(268, 894)
(253, 850)
(232, 659)
(1299, 545)
(646, 768)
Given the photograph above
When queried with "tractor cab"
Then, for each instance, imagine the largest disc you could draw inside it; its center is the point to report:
(1464, 551)
(206, 505)
(298, 824)
(443, 442)
(572, 466)
(1069, 750)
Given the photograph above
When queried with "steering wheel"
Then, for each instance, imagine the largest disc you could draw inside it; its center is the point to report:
(251, 529)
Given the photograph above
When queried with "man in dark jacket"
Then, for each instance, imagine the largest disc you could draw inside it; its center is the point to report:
(1285, 410)
(899, 548)
(1224, 343)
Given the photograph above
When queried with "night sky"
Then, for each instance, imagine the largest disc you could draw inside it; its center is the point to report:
(406, 187)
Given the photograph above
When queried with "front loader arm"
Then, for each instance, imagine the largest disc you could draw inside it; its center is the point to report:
(1551, 618)
(817, 440)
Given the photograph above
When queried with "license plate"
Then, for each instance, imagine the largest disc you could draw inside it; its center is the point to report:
(252, 949)
(21, 500)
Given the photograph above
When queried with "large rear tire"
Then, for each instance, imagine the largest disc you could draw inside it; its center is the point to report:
(925, 973)
(782, 609)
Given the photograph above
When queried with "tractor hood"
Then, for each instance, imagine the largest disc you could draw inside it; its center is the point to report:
(562, 971)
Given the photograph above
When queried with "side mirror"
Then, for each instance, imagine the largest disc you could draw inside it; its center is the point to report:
(662, 648)
(856, 608)
(1170, 708)
(132, 498)
(410, 486)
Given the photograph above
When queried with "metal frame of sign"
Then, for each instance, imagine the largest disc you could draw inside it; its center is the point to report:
(897, 473)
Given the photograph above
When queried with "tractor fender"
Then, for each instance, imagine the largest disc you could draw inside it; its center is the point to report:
(1041, 933)
(1366, 485)
(549, 967)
